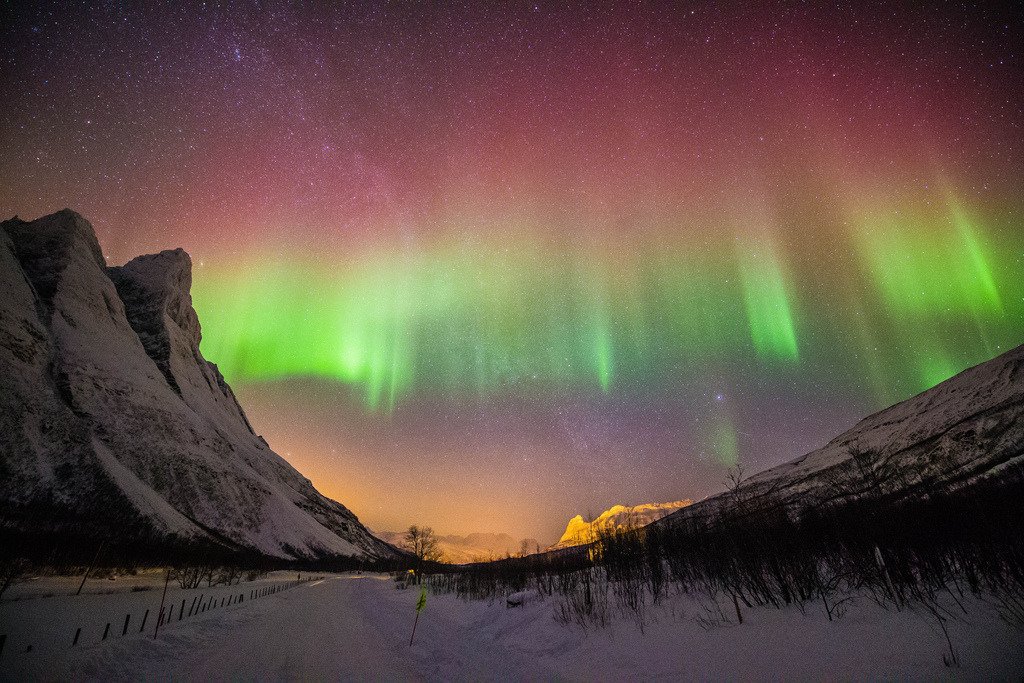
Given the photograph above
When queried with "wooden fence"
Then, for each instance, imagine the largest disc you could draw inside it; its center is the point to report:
(177, 612)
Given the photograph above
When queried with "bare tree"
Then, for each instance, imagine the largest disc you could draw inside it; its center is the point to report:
(734, 478)
(191, 575)
(229, 575)
(528, 546)
(422, 543)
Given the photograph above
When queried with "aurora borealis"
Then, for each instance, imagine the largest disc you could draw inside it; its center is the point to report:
(488, 266)
(486, 318)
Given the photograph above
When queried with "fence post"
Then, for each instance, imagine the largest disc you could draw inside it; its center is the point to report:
(162, 598)
(126, 618)
(106, 631)
(89, 568)
(78, 634)
(144, 617)
(181, 614)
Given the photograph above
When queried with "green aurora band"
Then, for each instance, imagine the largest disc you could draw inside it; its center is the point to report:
(928, 290)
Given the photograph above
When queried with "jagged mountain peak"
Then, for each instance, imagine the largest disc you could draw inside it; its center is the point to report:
(112, 413)
(580, 531)
(156, 291)
(46, 249)
(163, 282)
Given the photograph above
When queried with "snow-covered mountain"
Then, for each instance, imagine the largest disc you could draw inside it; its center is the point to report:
(618, 517)
(111, 420)
(958, 432)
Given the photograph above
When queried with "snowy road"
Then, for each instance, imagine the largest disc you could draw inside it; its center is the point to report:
(343, 627)
(357, 628)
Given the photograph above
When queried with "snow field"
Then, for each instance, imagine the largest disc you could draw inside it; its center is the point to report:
(45, 616)
(357, 627)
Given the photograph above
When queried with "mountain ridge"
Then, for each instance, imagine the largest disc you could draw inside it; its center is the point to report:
(112, 414)
(579, 531)
(962, 430)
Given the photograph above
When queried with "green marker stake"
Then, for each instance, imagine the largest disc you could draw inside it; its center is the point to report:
(420, 604)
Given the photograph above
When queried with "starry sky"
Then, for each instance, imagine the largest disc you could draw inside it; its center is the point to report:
(485, 266)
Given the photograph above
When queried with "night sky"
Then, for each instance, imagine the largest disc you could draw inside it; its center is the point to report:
(488, 265)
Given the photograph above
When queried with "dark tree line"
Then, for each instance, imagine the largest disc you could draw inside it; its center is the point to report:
(911, 545)
(192, 564)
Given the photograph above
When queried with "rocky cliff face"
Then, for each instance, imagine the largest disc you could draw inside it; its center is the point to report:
(616, 518)
(112, 419)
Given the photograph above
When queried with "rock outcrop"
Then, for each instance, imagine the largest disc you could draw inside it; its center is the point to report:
(113, 420)
(616, 518)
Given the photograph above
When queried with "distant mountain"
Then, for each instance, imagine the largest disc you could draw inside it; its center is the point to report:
(618, 517)
(113, 424)
(968, 428)
(476, 547)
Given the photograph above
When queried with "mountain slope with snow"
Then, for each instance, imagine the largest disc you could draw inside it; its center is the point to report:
(961, 431)
(110, 414)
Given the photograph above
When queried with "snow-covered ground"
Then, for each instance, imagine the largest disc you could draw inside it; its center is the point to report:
(45, 614)
(352, 627)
